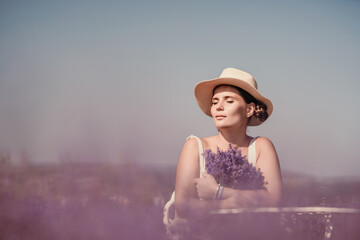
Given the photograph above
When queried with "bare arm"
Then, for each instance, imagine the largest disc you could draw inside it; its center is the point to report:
(187, 169)
(187, 201)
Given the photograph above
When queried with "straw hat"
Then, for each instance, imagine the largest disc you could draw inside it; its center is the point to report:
(230, 76)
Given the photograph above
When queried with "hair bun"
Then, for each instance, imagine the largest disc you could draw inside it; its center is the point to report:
(260, 112)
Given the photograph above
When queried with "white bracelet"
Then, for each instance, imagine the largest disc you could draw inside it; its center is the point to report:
(217, 191)
(220, 192)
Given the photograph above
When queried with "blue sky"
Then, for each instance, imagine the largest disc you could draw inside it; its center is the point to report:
(114, 80)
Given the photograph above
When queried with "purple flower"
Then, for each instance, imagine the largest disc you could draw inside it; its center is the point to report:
(233, 170)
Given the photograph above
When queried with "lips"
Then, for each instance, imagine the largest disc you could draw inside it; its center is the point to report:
(220, 116)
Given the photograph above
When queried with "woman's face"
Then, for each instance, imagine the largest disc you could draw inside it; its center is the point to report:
(229, 108)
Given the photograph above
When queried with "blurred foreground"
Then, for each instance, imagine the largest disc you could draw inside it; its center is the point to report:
(125, 201)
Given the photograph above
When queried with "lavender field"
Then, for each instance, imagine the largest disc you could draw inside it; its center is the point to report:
(125, 201)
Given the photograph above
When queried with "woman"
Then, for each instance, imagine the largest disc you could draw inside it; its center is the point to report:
(234, 103)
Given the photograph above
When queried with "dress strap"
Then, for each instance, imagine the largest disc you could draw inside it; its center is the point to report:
(201, 154)
(252, 152)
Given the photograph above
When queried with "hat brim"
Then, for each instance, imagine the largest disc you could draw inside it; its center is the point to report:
(204, 91)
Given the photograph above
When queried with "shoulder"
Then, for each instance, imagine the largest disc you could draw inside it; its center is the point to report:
(265, 149)
(264, 145)
(263, 142)
(191, 143)
(188, 160)
(206, 142)
(191, 146)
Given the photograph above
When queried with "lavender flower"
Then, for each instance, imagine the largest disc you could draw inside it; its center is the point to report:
(231, 169)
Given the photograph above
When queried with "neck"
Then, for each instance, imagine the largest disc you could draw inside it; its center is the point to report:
(234, 137)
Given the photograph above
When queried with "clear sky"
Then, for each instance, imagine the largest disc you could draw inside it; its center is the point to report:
(113, 80)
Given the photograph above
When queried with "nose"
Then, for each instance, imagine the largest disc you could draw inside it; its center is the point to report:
(219, 106)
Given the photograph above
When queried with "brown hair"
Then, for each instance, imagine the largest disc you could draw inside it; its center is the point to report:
(260, 108)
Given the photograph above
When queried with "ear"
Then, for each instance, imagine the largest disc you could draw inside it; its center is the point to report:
(250, 109)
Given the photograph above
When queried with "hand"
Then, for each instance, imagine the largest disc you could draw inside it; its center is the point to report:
(206, 186)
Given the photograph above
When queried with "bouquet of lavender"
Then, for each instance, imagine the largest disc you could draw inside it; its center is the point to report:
(231, 169)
